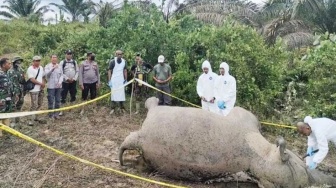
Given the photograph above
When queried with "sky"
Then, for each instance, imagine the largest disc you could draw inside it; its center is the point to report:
(49, 14)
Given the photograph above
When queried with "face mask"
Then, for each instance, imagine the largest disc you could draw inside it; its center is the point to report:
(17, 65)
(92, 58)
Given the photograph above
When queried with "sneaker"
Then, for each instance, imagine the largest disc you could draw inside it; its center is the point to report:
(61, 113)
(30, 123)
(111, 112)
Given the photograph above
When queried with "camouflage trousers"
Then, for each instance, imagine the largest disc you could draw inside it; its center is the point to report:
(140, 93)
(19, 103)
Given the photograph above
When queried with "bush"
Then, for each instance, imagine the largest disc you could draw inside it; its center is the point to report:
(185, 42)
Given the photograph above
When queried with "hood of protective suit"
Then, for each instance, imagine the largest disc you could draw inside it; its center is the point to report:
(226, 67)
(206, 64)
(308, 119)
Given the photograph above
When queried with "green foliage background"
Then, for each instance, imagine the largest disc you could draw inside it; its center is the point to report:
(272, 82)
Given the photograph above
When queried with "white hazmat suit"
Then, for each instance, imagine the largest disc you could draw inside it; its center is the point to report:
(205, 88)
(323, 131)
(225, 90)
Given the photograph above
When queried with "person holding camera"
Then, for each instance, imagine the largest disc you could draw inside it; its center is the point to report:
(89, 78)
(140, 70)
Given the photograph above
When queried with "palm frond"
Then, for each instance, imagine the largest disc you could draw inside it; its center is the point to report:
(298, 40)
(213, 18)
(6, 14)
(61, 7)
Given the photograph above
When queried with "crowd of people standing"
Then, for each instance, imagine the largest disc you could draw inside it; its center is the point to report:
(62, 79)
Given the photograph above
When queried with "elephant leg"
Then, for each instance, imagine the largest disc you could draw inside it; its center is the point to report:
(281, 143)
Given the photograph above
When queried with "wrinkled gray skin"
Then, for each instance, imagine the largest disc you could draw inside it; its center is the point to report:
(193, 144)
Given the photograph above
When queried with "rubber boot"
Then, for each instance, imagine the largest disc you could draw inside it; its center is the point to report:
(31, 122)
(94, 107)
(137, 108)
(82, 111)
(13, 124)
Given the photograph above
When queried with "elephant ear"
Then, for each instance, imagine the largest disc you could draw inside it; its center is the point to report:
(281, 143)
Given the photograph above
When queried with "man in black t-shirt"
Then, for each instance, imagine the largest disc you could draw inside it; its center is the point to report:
(117, 76)
(140, 70)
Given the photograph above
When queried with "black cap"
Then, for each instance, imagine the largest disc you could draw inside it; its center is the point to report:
(88, 53)
(68, 51)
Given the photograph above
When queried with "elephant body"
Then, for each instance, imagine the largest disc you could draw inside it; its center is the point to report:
(194, 144)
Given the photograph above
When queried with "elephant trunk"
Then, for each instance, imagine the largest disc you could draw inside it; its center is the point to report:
(322, 179)
(131, 142)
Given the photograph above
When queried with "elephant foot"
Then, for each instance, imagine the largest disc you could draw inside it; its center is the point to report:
(281, 143)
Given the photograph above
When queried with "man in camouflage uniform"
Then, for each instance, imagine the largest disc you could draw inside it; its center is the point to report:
(17, 76)
(140, 70)
(6, 90)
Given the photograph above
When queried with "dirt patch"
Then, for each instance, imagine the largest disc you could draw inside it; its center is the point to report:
(95, 137)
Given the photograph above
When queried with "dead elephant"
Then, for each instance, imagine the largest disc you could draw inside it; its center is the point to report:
(193, 144)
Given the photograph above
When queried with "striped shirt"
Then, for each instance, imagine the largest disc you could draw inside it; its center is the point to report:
(53, 76)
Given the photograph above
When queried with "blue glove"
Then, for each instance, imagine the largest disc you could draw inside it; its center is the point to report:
(221, 105)
(312, 165)
(110, 84)
(125, 81)
(310, 151)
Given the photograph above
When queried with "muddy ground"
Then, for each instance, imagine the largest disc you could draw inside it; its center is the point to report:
(96, 137)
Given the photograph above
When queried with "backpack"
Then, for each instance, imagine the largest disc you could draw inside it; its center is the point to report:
(72, 61)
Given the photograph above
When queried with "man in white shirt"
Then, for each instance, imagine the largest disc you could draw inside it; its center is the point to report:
(319, 131)
(35, 74)
(205, 87)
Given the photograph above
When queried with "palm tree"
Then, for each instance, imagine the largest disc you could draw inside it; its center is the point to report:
(76, 8)
(105, 12)
(273, 20)
(167, 10)
(217, 11)
(23, 8)
(319, 13)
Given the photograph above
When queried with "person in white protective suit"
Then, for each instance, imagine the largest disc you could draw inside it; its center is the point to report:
(319, 131)
(205, 87)
(225, 90)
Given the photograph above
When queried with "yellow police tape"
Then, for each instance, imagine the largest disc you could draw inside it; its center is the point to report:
(150, 86)
(21, 114)
(278, 125)
(20, 135)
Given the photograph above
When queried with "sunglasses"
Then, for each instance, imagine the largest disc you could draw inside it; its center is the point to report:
(119, 54)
